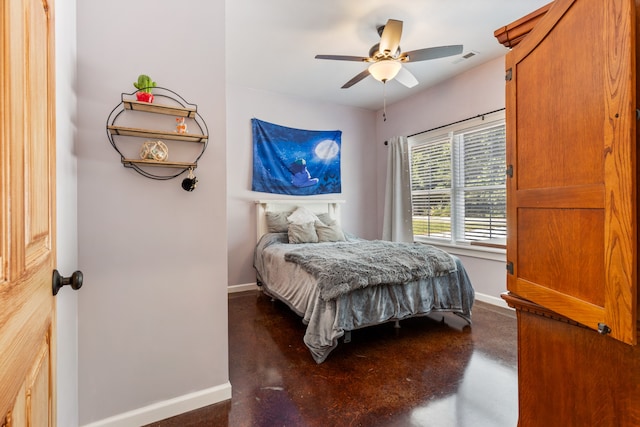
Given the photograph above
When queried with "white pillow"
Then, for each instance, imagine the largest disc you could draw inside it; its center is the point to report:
(302, 233)
(302, 215)
(329, 233)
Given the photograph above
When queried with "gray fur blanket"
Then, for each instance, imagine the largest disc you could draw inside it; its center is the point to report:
(345, 266)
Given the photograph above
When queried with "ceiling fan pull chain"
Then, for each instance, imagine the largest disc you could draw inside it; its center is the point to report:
(384, 101)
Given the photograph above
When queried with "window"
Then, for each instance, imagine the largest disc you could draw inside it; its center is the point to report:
(458, 181)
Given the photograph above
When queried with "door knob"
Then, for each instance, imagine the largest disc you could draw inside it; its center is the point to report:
(58, 281)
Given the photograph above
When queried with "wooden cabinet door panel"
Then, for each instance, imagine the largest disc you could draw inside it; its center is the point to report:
(571, 140)
(571, 376)
(573, 265)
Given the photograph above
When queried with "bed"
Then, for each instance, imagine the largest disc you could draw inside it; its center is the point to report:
(334, 294)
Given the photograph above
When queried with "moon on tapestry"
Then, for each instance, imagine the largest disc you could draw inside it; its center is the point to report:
(327, 150)
(295, 161)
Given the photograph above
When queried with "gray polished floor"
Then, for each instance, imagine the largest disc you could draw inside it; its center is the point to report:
(433, 371)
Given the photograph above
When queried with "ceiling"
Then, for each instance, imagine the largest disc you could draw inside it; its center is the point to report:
(271, 45)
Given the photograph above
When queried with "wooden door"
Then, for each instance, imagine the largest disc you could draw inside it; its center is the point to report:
(571, 144)
(27, 208)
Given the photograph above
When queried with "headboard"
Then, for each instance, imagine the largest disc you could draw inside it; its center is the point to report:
(315, 205)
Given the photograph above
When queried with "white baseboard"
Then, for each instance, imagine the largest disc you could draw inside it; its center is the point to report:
(242, 288)
(168, 408)
(490, 299)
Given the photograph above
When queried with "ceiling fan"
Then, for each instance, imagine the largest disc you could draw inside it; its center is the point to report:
(386, 58)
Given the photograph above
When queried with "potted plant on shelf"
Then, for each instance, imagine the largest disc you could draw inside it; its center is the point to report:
(144, 86)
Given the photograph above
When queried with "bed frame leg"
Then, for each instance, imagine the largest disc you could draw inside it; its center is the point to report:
(347, 336)
(397, 324)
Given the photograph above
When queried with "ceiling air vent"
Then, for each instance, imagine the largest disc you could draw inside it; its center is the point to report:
(467, 55)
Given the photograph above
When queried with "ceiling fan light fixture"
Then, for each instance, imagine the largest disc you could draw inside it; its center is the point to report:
(384, 70)
(385, 65)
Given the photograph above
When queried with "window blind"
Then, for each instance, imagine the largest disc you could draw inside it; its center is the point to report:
(458, 182)
(481, 183)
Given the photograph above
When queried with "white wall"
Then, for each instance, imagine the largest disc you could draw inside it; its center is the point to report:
(153, 308)
(364, 158)
(469, 94)
(477, 91)
(358, 166)
(67, 206)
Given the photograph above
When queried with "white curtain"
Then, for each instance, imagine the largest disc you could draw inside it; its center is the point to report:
(397, 223)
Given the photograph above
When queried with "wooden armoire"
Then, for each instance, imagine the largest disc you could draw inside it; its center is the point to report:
(572, 211)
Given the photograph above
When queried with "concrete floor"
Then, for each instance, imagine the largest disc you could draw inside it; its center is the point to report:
(427, 373)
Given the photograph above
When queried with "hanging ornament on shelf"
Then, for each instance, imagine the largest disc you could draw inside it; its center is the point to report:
(190, 183)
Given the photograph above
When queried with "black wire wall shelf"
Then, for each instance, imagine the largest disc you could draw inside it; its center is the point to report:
(166, 102)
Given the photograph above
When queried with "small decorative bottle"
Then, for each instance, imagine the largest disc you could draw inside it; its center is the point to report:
(181, 126)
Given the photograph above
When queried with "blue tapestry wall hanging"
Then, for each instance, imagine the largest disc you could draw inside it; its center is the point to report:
(295, 161)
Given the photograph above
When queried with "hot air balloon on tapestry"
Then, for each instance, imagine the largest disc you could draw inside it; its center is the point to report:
(295, 161)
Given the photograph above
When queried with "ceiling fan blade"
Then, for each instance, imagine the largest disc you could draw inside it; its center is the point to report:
(390, 37)
(432, 53)
(356, 79)
(343, 58)
(405, 77)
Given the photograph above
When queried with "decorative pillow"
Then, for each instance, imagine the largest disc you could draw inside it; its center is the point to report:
(329, 233)
(326, 219)
(277, 221)
(302, 233)
(302, 215)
